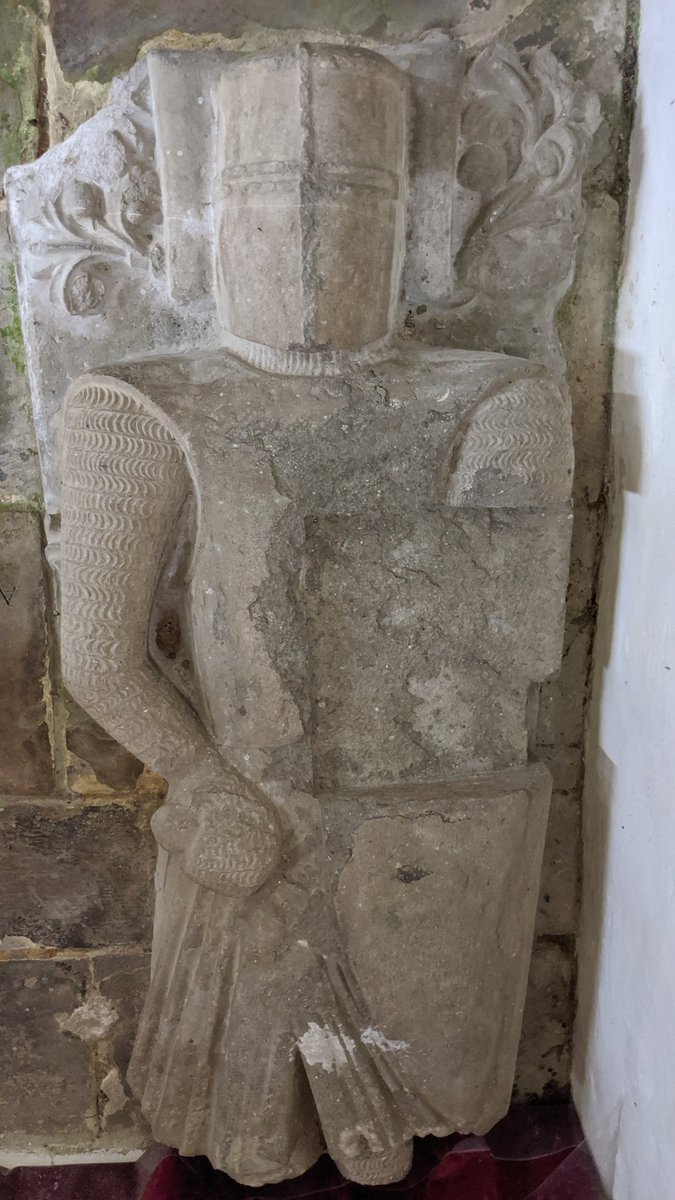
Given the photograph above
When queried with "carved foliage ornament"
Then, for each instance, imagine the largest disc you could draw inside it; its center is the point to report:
(85, 233)
(524, 133)
(522, 143)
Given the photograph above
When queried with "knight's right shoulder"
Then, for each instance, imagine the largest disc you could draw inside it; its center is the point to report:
(100, 391)
(119, 448)
(103, 406)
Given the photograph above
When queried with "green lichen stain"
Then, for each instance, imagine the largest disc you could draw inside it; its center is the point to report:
(565, 311)
(11, 336)
(18, 74)
(23, 504)
(92, 75)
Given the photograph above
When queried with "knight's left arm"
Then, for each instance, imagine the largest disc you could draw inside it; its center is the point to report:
(515, 449)
(514, 457)
(125, 478)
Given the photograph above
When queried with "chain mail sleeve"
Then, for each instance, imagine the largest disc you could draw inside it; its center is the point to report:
(124, 480)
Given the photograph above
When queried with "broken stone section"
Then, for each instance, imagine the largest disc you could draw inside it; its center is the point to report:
(400, 584)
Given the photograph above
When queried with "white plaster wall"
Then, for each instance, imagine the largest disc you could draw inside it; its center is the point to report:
(624, 1068)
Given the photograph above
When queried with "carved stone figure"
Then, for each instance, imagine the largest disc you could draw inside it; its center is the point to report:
(364, 540)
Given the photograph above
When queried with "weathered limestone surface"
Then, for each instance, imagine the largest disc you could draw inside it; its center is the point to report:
(366, 540)
(92, 764)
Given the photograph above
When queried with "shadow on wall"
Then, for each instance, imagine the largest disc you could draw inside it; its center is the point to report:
(599, 818)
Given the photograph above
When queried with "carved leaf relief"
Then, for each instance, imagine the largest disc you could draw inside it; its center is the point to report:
(86, 232)
(524, 135)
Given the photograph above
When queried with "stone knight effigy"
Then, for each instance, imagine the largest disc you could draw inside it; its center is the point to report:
(362, 530)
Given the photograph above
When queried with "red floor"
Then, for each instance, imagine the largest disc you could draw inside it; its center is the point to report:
(535, 1153)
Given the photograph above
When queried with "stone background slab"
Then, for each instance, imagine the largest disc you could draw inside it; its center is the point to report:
(77, 893)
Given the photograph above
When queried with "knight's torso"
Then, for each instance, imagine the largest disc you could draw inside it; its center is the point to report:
(349, 553)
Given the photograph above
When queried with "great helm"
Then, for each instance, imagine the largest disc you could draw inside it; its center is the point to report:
(310, 198)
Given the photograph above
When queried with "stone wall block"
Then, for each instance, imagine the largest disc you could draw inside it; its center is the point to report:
(586, 533)
(564, 763)
(25, 754)
(561, 709)
(561, 712)
(76, 876)
(557, 906)
(545, 1043)
(48, 1091)
(585, 324)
